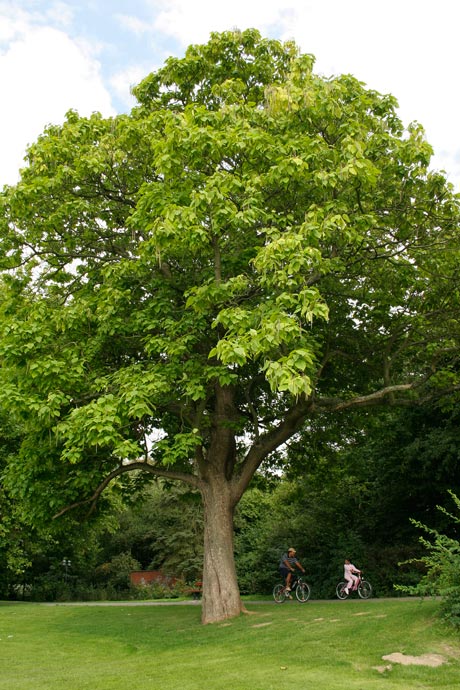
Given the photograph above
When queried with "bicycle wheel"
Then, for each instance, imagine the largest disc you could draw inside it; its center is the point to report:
(302, 592)
(364, 589)
(279, 593)
(340, 590)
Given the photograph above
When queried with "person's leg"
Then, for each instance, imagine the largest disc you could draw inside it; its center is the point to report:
(286, 575)
(349, 586)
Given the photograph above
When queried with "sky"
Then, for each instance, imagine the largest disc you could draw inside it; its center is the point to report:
(86, 54)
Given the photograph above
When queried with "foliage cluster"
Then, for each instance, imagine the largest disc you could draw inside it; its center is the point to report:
(163, 531)
(441, 561)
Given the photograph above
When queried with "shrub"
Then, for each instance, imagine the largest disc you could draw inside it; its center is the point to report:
(155, 590)
(442, 567)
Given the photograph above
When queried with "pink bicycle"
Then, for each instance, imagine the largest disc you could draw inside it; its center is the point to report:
(363, 587)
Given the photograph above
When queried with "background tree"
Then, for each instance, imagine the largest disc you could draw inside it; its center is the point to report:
(186, 286)
(355, 486)
(162, 527)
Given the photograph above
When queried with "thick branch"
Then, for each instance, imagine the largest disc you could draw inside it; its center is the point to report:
(268, 442)
(297, 415)
(157, 471)
(387, 393)
(337, 404)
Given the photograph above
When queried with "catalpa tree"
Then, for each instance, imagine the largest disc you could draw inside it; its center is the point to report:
(186, 286)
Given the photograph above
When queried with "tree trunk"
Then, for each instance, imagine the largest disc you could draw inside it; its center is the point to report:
(221, 596)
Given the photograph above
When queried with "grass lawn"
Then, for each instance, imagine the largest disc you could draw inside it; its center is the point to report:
(320, 645)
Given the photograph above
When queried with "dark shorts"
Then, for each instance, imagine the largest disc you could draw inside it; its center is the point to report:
(284, 571)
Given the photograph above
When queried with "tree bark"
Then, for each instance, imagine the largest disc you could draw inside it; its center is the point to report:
(221, 596)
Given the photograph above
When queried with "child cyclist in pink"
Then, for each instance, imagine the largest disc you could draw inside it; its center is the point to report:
(350, 572)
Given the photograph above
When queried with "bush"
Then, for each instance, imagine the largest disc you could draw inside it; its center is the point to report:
(156, 590)
(442, 567)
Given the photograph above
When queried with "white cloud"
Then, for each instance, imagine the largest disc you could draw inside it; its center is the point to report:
(13, 22)
(192, 22)
(134, 24)
(60, 13)
(42, 75)
(121, 83)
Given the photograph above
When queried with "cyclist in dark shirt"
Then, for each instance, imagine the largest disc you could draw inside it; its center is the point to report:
(287, 565)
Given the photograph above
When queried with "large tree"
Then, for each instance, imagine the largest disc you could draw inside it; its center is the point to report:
(187, 285)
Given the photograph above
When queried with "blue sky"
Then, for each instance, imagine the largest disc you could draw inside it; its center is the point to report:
(85, 54)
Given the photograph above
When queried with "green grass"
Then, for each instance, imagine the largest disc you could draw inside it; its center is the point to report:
(322, 645)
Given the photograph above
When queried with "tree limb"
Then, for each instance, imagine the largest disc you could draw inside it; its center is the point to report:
(129, 467)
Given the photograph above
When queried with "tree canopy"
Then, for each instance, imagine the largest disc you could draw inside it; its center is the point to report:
(186, 286)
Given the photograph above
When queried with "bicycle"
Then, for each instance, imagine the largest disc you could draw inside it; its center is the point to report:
(298, 587)
(363, 587)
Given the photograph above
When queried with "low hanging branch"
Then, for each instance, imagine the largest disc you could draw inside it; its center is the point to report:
(265, 443)
(129, 467)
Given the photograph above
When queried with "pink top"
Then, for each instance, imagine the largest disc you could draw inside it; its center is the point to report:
(349, 569)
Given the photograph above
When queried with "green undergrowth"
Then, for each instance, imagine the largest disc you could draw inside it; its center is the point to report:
(322, 645)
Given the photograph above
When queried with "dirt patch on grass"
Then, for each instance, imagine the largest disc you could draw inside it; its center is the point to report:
(382, 669)
(433, 660)
(261, 625)
(453, 652)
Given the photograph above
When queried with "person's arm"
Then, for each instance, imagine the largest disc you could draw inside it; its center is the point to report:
(288, 566)
(300, 566)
